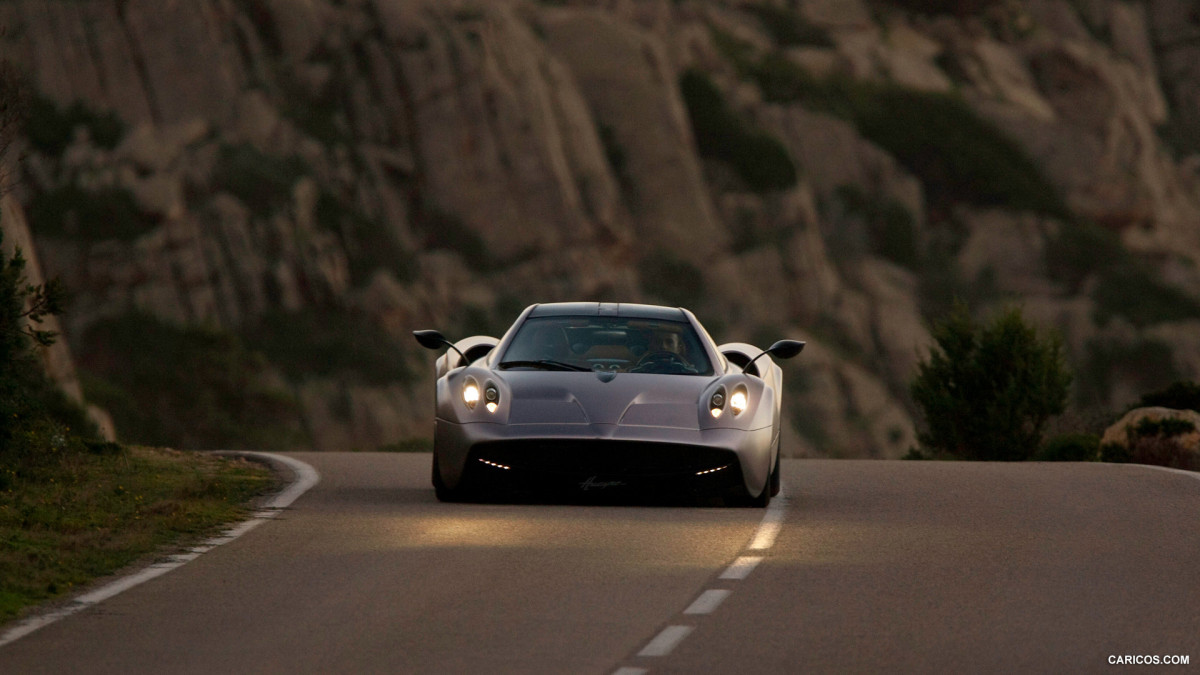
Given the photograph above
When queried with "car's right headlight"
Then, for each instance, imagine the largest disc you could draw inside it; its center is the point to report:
(470, 393)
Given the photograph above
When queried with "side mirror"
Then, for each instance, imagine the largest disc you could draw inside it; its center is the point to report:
(431, 339)
(783, 349)
(786, 349)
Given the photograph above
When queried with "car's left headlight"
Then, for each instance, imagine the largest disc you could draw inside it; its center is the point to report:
(470, 393)
(738, 401)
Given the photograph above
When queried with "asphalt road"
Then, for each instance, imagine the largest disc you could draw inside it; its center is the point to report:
(867, 567)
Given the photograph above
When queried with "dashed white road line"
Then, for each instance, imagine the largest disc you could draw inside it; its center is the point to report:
(708, 601)
(742, 567)
(666, 640)
(306, 477)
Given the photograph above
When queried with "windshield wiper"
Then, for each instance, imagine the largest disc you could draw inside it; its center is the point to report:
(545, 364)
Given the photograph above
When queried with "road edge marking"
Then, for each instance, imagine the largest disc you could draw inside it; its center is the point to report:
(305, 478)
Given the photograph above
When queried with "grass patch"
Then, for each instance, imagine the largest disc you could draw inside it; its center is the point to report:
(91, 514)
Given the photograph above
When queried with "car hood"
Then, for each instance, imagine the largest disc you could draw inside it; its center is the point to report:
(628, 399)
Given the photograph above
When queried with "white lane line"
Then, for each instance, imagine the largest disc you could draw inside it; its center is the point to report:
(770, 526)
(666, 641)
(708, 601)
(306, 477)
(742, 567)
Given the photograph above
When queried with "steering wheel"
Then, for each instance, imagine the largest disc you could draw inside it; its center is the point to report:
(660, 359)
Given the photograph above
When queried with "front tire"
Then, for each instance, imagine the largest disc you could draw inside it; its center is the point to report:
(444, 493)
(776, 483)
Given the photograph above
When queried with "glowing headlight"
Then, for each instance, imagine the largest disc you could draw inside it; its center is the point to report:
(471, 394)
(738, 402)
(716, 404)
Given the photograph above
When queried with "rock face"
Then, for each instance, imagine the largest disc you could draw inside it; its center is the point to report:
(1125, 428)
(403, 164)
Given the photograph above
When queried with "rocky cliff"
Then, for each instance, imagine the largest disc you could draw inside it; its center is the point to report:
(255, 201)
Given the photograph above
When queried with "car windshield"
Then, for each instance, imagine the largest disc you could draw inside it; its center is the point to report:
(609, 344)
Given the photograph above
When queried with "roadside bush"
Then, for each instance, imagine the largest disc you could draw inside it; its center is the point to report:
(986, 392)
(1070, 448)
(38, 422)
(1179, 396)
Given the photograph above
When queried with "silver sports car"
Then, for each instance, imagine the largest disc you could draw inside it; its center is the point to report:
(605, 397)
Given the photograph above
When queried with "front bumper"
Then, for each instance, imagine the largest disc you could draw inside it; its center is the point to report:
(602, 457)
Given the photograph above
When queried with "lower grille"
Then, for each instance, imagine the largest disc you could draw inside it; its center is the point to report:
(627, 459)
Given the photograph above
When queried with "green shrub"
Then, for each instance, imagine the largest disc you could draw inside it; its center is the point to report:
(38, 422)
(1115, 453)
(1178, 396)
(1166, 428)
(986, 392)
(759, 159)
(1070, 448)
(89, 215)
